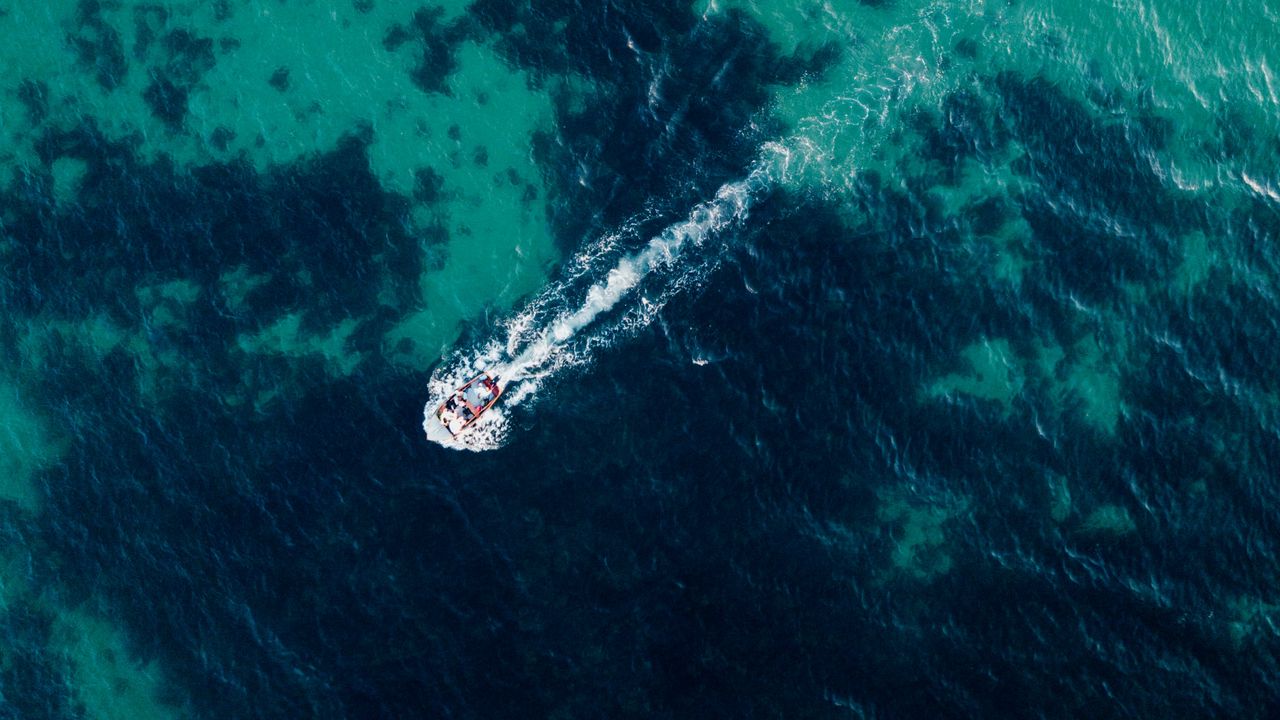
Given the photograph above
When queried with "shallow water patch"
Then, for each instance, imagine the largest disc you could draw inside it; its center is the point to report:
(235, 285)
(166, 303)
(1198, 261)
(918, 531)
(993, 372)
(1083, 378)
(26, 447)
(1091, 377)
(107, 678)
(1107, 521)
(98, 339)
(287, 337)
(67, 172)
(1059, 493)
(1252, 621)
(15, 577)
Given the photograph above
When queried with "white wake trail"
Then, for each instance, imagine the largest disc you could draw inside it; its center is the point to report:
(551, 333)
(878, 85)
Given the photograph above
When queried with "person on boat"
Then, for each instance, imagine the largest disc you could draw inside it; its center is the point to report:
(455, 424)
(472, 394)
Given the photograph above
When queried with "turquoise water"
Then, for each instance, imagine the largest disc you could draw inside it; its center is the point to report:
(874, 359)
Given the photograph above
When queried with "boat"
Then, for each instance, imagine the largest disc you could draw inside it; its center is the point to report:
(468, 403)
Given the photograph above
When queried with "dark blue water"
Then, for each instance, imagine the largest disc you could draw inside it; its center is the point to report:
(790, 527)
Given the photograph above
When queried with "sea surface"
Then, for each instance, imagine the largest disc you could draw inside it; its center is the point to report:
(875, 359)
